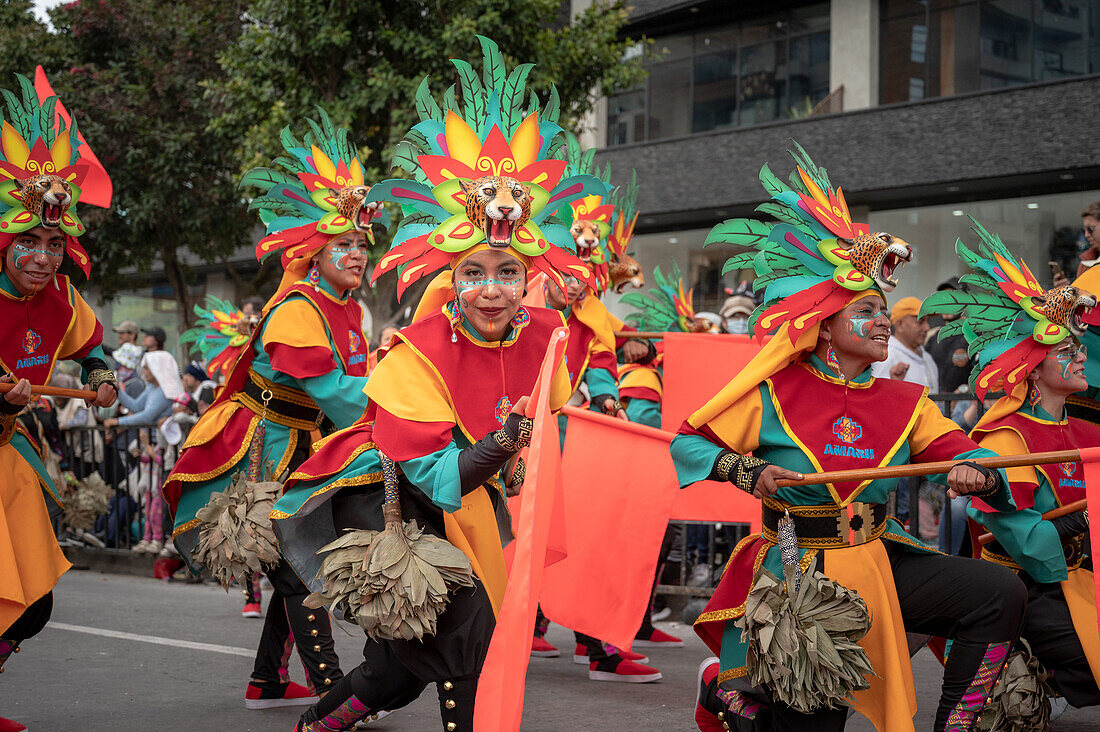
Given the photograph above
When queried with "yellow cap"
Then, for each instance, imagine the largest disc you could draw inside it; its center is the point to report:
(903, 307)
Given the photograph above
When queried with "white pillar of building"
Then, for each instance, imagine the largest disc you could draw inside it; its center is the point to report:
(854, 51)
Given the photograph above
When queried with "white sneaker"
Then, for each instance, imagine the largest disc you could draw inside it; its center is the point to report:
(153, 547)
(169, 550)
(141, 547)
(92, 540)
(700, 576)
(661, 614)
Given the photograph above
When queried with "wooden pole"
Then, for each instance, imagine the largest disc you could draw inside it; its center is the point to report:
(57, 391)
(1052, 514)
(905, 471)
(639, 334)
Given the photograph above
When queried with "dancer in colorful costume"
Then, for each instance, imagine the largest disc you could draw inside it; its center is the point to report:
(221, 335)
(305, 356)
(43, 319)
(807, 402)
(446, 399)
(1025, 340)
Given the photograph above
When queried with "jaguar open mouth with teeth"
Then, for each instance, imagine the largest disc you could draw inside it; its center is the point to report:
(1084, 315)
(498, 232)
(364, 216)
(893, 257)
(585, 249)
(1071, 308)
(50, 214)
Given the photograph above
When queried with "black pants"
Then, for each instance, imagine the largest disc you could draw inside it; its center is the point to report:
(1048, 629)
(31, 622)
(974, 603)
(394, 673)
(310, 629)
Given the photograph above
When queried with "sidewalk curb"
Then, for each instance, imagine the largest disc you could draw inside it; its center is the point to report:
(110, 561)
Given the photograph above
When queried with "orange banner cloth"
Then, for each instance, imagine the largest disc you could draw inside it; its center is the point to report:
(1090, 459)
(616, 511)
(690, 380)
(97, 187)
(696, 367)
(500, 690)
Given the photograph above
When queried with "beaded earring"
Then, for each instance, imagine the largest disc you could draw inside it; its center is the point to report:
(1034, 396)
(314, 276)
(833, 362)
(456, 318)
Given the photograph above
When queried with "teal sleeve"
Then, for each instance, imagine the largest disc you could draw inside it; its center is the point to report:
(338, 395)
(436, 474)
(600, 382)
(693, 456)
(96, 352)
(1031, 542)
(1000, 502)
(644, 411)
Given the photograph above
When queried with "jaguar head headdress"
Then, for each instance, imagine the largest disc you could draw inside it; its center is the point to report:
(1009, 320)
(484, 176)
(811, 263)
(46, 167)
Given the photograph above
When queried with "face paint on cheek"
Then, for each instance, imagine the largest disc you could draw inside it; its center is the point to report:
(339, 254)
(1066, 362)
(21, 254)
(860, 327)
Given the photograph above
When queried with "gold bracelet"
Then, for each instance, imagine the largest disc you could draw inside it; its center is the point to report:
(744, 476)
(506, 442)
(99, 377)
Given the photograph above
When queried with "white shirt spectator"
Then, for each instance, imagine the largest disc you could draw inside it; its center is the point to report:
(922, 369)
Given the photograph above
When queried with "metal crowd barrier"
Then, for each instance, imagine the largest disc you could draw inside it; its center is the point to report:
(116, 454)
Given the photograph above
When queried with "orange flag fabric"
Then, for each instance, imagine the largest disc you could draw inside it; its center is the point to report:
(696, 367)
(97, 187)
(619, 485)
(500, 690)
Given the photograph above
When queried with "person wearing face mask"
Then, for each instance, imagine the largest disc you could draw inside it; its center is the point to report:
(1036, 359)
(807, 402)
(305, 356)
(444, 406)
(735, 312)
(44, 168)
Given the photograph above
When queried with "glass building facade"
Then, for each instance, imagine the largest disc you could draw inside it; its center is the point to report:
(742, 73)
(936, 48)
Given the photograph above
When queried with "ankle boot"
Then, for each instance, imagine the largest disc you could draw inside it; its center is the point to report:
(456, 703)
(968, 678)
(341, 717)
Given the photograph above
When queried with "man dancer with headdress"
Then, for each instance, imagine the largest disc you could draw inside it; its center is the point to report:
(43, 320)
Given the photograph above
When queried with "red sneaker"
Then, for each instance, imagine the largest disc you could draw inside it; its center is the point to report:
(252, 610)
(10, 725)
(541, 649)
(706, 720)
(622, 670)
(580, 654)
(277, 695)
(658, 639)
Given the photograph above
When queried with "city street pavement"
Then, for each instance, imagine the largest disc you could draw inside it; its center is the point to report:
(130, 654)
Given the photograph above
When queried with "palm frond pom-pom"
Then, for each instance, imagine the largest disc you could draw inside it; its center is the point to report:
(1020, 700)
(89, 500)
(803, 644)
(394, 582)
(236, 539)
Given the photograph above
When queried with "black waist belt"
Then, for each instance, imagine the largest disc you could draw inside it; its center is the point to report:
(827, 526)
(1074, 548)
(279, 403)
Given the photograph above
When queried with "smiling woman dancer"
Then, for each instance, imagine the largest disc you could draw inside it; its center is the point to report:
(1026, 341)
(43, 320)
(305, 355)
(446, 399)
(807, 402)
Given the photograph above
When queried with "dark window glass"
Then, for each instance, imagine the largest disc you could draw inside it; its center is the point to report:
(770, 67)
(626, 118)
(944, 47)
(670, 100)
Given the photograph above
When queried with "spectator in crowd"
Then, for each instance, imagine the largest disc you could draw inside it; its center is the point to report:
(950, 354)
(387, 334)
(153, 338)
(965, 414)
(144, 485)
(158, 369)
(907, 360)
(1090, 222)
(206, 398)
(195, 380)
(127, 360)
(736, 311)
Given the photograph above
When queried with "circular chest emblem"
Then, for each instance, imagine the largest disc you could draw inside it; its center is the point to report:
(31, 341)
